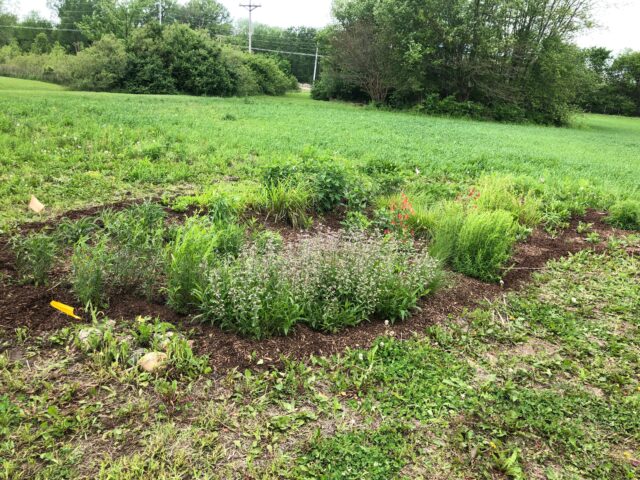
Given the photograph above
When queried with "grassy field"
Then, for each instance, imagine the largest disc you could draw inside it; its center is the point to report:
(540, 382)
(72, 149)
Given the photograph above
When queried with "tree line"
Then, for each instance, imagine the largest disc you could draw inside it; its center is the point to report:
(509, 60)
(113, 45)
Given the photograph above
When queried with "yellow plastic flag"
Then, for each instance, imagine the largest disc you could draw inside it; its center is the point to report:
(66, 309)
(35, 204)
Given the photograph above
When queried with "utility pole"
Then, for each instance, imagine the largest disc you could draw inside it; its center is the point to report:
(315, 65)
(251, 7)
(160, 11)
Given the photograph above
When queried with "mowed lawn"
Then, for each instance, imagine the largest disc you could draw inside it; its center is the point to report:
(72, 149)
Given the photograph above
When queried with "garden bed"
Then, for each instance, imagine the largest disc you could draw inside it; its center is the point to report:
(27, 306)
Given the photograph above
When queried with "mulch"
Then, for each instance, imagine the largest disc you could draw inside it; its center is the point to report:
(28, 305)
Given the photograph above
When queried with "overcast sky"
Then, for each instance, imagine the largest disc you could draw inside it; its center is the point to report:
(619, 19)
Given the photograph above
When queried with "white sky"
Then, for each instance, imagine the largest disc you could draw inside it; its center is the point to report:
(619, 19)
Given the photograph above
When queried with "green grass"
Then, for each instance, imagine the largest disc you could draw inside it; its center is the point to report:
(13, 84)
(72, 149)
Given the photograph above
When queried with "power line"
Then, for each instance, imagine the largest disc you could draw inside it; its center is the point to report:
(41, 28)
(287, 53)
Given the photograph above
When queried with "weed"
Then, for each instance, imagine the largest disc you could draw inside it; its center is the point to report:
(69, 232)
(35, 256)
(625, 214)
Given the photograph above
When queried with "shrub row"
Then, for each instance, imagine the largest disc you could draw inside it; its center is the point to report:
(155, 59)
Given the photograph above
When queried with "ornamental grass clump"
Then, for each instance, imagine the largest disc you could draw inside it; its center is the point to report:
(484, 244)
(327, 282)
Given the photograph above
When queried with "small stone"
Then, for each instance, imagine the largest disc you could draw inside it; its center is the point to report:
(152, 361)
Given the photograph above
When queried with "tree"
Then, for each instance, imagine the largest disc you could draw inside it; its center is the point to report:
(626, 73)
(480, 51)
(41, 44)
(208, 15)
(363, 57)
(71, 14)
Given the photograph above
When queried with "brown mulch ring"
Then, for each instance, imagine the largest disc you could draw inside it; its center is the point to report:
(28, 306)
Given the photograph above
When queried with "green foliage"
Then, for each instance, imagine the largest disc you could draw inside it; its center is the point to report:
(90, 265)
(35, 255)
(148, 58)
(286, 201)
(450, 220)
(100, 67)
(547, 69)
(329, 283)
(367, 453)
(484, 244)
(625, 214)
(496, 192)
(190, 254)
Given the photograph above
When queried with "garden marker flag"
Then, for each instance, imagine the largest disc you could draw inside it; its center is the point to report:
(66, 309)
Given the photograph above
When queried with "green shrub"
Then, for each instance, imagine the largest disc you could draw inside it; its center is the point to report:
(484, 244)
(268, 240)
(625, 214)
(190, 254)
(101, 67)
(327, 282)
(250, 295)
(285, 201)
(35, 255)
(90, 264)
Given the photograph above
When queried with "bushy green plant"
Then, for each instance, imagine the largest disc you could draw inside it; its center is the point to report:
(625, 214)
(90, 264)
(267, 240)
(35, 255)
(190, 254)
(484, 244)
(250, 295)
(327, 282)
(286, 201)
(69, 232)
(495, 192)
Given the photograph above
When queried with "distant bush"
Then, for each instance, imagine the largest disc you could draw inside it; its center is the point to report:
(100, 67)
(484, 244)
(35, 255)
(327, 282)
(625, 214)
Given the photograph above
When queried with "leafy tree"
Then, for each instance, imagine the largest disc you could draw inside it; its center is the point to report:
(208, 15)
(626, 72)
(41, 44)
(497, 53)
(71, 14)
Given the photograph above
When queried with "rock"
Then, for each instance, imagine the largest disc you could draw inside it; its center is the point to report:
(153, 361)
